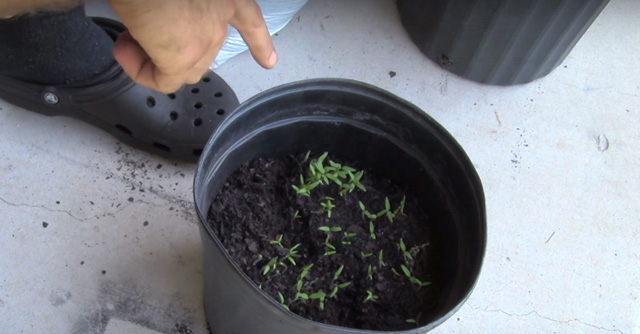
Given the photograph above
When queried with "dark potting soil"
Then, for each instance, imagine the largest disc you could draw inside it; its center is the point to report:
(259, 217)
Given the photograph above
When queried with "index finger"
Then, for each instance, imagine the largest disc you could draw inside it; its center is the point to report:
(249, 22)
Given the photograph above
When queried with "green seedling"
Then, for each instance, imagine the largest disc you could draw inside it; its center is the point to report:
(348, 235)
(371, 297)
(414, 320)
(306, 157)
(305, 271)
(282, 301)
(334, 292)
(272, 265)
(332, 248)
(344, 285)
(407, 255)
(293, 253)
(336, 275)
(346, 188)
(395, 272)
(335, 165)
(381, 258)
(320, 162)
(277, 241)
(370, 273)
(328, 244)
(406, 270)
(365, 255)
(366, 212)
(402, 203)
(300, 283)
(301, 296)
(400, 209)
(412, 278)
(296, 215)
(387, 207)
(372, 230)
(302, 190)
(334, 178)
(305, 189)
(336, 288)
(328, 207)
(418, 282)
(328, 229)
(356, 181)
(320, 296)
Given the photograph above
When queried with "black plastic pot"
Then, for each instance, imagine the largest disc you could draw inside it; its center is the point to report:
(501, 42)
(356, 122)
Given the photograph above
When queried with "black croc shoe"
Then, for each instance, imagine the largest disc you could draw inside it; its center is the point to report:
(176, 126)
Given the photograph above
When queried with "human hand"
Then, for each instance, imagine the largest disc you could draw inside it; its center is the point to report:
(172, 42)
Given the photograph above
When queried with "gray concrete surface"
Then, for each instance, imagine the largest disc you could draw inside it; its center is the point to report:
(97, 237)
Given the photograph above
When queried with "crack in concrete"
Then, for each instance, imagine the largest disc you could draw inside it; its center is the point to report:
(186, 207)
(68, 213)
(535, 313)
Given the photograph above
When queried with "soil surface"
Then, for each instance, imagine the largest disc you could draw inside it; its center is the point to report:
(274, 233)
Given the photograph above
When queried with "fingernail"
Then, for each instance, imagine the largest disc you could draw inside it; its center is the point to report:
(273, 58)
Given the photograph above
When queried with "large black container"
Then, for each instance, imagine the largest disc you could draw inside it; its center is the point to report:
(356, 122)
(501, 42)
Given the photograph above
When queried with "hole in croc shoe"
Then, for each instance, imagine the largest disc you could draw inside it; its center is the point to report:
(197, 152)
(195, 90)
(172, 96)
(218, 94)
(220, 112)
(161, 147)
(197, 122)
(198, 105)
(124, 129)
(173, 115)
(151, 102)
(206, 79)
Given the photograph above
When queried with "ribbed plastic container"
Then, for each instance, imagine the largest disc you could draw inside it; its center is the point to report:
(500, 42)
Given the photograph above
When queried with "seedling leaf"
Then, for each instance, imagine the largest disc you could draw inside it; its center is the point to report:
(334, 292)
(344, 285)
(338, 272)
(403, 247)
(318, 295)
(406, 270)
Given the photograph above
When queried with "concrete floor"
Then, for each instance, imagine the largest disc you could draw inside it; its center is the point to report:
(97, 237)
